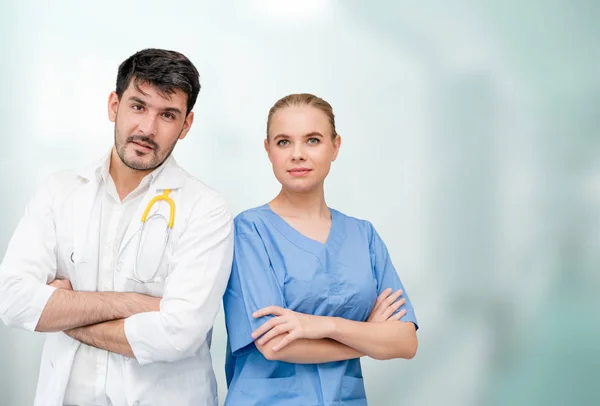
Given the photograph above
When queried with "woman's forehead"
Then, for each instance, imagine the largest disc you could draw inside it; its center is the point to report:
(299, 120)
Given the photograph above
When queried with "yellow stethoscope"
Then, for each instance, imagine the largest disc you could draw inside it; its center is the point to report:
(164, 197)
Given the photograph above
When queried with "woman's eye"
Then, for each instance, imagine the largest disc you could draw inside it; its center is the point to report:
(313, 140)
(283, 143)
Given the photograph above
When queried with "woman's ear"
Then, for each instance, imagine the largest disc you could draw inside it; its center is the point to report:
(337, 143)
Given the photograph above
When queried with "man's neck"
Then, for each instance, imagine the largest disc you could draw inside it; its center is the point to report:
(126, 179)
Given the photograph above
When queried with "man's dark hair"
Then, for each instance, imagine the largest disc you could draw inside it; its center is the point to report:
(163, 69)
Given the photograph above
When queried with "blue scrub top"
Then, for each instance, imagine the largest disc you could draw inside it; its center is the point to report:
(274, 264)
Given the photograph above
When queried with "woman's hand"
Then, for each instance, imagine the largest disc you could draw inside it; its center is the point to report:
(296, 325)
(385, 306)
(300, 325)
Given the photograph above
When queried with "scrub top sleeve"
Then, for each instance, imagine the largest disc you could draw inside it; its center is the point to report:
(387, 277)
(252, 286)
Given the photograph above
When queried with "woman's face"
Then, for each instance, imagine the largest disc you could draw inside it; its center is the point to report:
(300, 147)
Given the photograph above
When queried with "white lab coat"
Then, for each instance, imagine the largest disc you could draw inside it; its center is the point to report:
(172, 347)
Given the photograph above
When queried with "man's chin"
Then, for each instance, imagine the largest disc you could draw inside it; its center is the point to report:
(141, 164)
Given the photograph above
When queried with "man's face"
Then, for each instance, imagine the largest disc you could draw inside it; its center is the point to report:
(148, 124)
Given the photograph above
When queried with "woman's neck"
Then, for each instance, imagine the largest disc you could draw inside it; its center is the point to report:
(309, 205)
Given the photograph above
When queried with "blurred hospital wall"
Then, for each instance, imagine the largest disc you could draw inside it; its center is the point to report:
(470, 140)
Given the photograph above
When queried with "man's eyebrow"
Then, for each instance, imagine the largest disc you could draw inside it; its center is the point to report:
(143, 103)
(138, 100)
(173, 110)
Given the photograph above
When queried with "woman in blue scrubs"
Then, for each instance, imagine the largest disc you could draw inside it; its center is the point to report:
(312, 290)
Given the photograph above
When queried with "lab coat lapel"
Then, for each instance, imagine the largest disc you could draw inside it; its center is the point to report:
(85, 240)
(82, 207)
(170, 177)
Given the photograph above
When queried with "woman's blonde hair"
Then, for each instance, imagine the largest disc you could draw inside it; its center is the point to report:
(304, 99)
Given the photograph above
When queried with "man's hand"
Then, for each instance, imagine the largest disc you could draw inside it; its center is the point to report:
(61, 284)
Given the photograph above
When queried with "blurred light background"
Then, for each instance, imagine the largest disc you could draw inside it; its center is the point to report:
(471, 141)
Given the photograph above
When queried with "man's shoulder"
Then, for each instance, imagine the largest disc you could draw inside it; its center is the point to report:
(57, 188)
(65, 177)
(63, 182)
(201, 195)
(196, 187)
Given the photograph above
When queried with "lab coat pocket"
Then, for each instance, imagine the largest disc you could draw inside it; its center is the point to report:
(81, 277)
(269, 391)
(65, 265)
(143, 264)
(352, 388)
(56, 362)
(126, 279)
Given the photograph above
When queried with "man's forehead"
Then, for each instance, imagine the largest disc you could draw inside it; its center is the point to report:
(153, 95)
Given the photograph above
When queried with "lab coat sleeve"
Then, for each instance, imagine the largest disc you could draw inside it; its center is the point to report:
(200, 268)
(29, 264)
(386, 274)
(252, 286)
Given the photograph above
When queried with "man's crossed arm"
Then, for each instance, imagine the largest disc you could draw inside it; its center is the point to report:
(94, 318)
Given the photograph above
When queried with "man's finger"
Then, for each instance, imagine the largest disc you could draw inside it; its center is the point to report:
(61, 284)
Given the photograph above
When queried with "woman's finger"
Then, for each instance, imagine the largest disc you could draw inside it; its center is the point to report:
(268, 325)
(288, 339)
(390, 299)
(274, 332)
(398, 315)
(381, 298)
(392, 308)
(265, 311)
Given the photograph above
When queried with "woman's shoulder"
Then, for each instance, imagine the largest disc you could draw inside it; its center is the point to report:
(352, 221)
(246, 221)
(363, 228)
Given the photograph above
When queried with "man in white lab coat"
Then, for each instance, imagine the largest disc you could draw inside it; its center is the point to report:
(128, 309)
